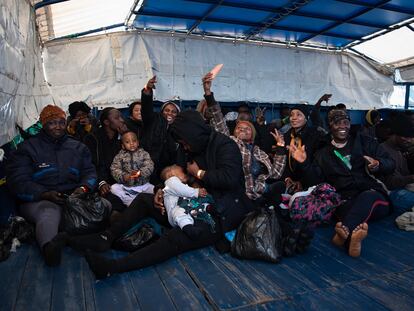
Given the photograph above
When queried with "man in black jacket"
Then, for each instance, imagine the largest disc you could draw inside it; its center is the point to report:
(401, 181)
(42, 171)
(104, 146)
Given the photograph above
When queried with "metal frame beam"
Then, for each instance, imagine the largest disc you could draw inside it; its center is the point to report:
(380, 33)
(84, 33)
(387, 7)
(47, 2)
(243, 23)
(275, 18)
(407, 96)
(295, 13)
(362, 12)
(209, 12)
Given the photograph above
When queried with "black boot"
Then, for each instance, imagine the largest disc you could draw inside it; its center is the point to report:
(192, 231)
(52, 251)
(100, 266)
(98, 242)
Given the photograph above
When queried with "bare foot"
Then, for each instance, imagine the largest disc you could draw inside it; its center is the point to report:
(341, 234)
(358, 234)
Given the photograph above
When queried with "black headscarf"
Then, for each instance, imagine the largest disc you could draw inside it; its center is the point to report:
(78, 106)
(190, 127)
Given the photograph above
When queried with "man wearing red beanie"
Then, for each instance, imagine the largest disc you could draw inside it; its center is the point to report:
(42, 171)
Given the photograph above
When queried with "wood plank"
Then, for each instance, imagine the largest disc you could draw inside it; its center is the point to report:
(322, 270)
(36, 287)
(244, 272)
(385, 292)
(280, 305)
(181, 288)
(11, 272)
(337, 298)
(150, 290)
(363, 266)
(282, 277)
(115, 293)
(88, 285)
(68, 292)
(221, 290)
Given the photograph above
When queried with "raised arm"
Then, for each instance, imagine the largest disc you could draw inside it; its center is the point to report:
(217, 119)
(147, 102)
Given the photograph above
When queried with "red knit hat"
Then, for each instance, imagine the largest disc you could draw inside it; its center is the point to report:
(51, 112)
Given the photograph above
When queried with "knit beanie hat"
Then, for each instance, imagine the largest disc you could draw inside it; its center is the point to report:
(302, 108)
(336, 115)
(51, 112)
(249, 124)
(168, 103)
(78, 106)
(371, 116)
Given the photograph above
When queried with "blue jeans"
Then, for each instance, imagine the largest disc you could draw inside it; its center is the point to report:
(402, 199)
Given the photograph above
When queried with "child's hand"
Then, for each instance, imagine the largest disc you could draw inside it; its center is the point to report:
(202, 192)
(135, 174)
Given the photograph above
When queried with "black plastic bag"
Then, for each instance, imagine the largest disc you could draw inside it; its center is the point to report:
(17, 228)
(142, 234)
(259, 236)
(85, 213)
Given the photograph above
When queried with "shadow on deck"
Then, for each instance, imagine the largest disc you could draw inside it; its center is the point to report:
(324, 278)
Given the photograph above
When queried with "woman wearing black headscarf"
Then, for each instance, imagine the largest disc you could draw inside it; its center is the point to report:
(215, 160)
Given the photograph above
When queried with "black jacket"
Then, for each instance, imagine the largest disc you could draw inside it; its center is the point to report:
(43, 164)
(220, 157)
(313, 141)
(328, 167)
(103, 152)
(134, 126)
(156, 138)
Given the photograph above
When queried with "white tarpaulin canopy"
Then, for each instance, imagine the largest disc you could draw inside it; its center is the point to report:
(112, 69)
(23, 91)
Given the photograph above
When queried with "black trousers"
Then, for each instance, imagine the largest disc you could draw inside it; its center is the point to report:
(116, 202)
(170, 244)
(366, 206)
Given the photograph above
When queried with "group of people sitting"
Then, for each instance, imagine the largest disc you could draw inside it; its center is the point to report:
(147, 163)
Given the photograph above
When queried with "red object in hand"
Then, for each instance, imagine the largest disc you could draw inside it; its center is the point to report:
(135, 174)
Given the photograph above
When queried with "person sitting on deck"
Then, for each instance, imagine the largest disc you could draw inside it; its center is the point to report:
(401, 181)
(372, 119)
(131, 168)
(134, 121)
(300, 134)
(42, 171)
(215, 160)
(156, 137)
(80, 121)
(178, 197)
(348, 163)
(104, 145)
(257, 166)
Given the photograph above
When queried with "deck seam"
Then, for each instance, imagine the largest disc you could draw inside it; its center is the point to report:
(21, 279)
(198, 284)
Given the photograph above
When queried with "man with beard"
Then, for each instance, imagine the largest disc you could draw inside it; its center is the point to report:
(45, 169)
(401, 181)
(348, 163)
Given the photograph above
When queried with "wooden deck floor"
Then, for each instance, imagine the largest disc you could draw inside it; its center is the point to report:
(322, 279)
